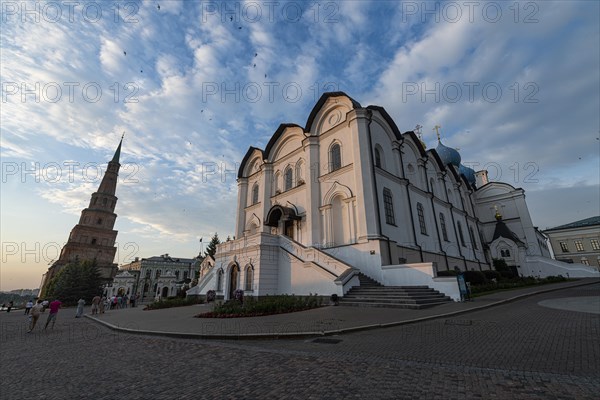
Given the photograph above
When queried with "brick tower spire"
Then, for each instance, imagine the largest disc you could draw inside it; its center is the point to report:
(93, 238)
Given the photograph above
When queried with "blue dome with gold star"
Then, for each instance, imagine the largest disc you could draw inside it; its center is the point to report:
(469, 173)
(448, 155)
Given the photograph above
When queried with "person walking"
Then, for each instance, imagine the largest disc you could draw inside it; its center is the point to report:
(36, 312)
(54, 306)
(95, 303)
(28, 307)
(80, 304)
(102, 304)
(10, 305)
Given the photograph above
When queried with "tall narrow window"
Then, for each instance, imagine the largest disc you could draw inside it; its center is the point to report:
(473, 238)
(335, 155)
(443, 225)
(249, 277)
(595, 244)
(157, 273)
(389, 207)
(579, 245)
(377, 158)
(220, 281)
(421, 215)
(289, 181)
(255, 193)
(564, 247)
(460, 234)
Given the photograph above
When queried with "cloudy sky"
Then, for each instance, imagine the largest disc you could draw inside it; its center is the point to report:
(514, 85)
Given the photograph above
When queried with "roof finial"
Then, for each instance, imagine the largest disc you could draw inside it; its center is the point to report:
(498, 216)
(437, 131)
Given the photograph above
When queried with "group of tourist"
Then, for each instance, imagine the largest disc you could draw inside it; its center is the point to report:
(36, 310)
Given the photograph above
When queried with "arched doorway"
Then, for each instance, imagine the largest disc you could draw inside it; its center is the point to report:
(283, 219)
(165, 292)
(233, 280)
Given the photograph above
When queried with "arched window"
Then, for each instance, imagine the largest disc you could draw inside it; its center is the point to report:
(157, 273)
(431, 185)
(220, 280)
(504, 253)
(289, 178)
(443, 225)
(249, 277)
(377, 158)
(335, 157)
(421, 215)
(460, 234)
(389, 206)
(255, 193)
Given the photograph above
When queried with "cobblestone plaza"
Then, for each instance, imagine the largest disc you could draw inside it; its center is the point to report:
(519, 350)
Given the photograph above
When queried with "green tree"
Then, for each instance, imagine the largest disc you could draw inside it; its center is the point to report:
(211, 248)
(75, 281)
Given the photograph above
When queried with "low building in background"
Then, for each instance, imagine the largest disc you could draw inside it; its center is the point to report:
(577, 242)
(154, 277)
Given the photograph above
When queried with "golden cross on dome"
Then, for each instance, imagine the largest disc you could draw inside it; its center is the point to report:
(437, 131)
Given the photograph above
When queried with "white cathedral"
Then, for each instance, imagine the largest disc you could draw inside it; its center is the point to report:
(349, 194)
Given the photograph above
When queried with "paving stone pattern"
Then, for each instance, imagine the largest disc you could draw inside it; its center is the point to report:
(516, 351)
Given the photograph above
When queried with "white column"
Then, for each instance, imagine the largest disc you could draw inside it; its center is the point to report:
(242, 202)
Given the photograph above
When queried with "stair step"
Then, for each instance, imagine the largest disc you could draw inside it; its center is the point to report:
(392, 301)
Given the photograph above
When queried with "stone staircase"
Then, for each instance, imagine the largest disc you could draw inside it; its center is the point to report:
(371, 293)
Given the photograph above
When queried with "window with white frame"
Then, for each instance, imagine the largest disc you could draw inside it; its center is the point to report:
(249, 277)
(289, 178)
(389, 207)
(443, 225)
(421, 215)
(595, 244)
(460, 234)
(255, 193)
(579, 245)
(335, 157)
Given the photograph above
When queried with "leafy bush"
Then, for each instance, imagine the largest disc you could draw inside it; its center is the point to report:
(174, 302)
(447, 273)
(265, 306)
(475, 277)
(490, 275)
(515, 283)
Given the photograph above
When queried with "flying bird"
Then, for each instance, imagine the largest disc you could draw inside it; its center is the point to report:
(124, 52)
(255, 54)
(158, 6)
(239, 27)
(231, 18)
(254, 65)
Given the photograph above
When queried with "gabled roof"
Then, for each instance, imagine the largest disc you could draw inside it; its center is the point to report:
(321, 102)
(276, 136)
(417, 142)
(387, 119)
(246, 159)
(504, 231)
(578, 224)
